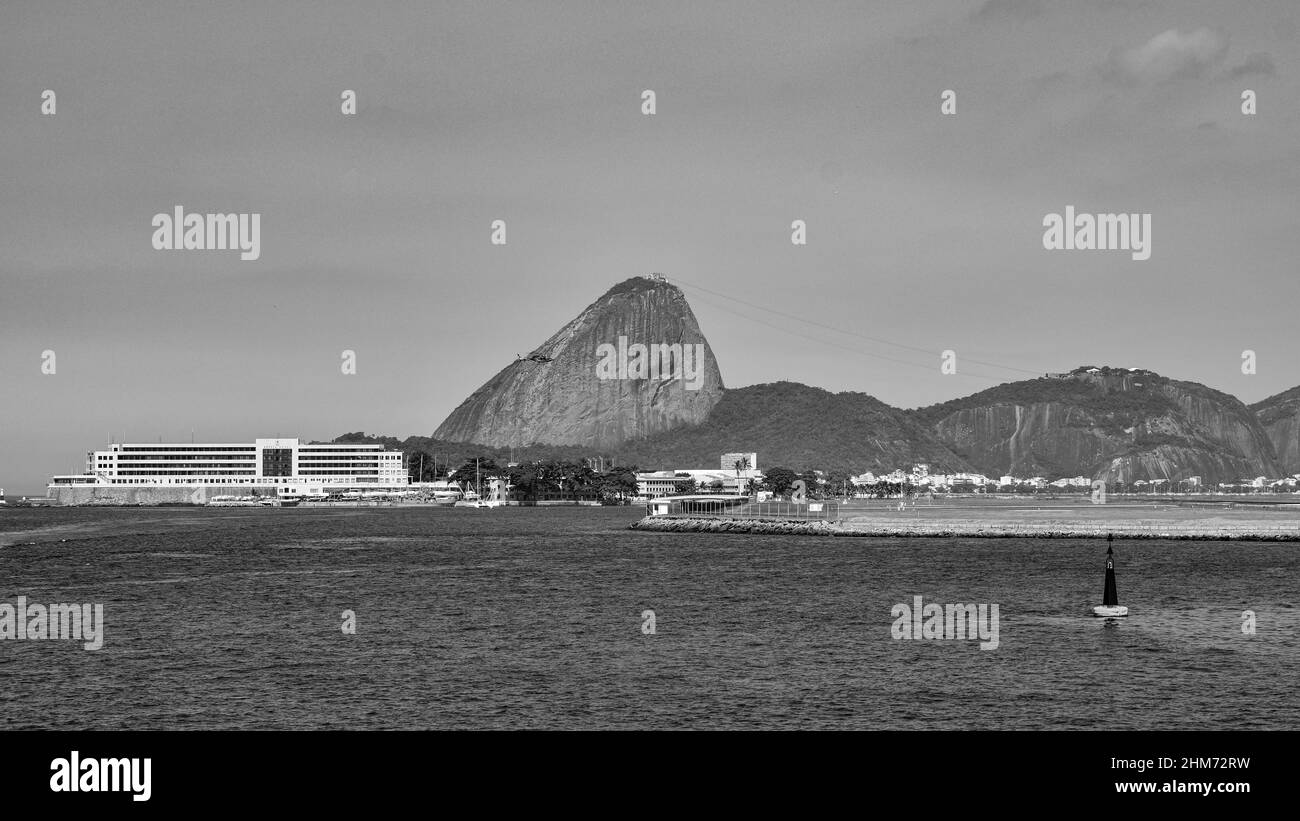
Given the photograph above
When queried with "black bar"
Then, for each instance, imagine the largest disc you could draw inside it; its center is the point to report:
(332, 770)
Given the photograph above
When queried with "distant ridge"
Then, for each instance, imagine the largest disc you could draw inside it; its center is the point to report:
(1118, 424)
(1280, 416)
(800, 427)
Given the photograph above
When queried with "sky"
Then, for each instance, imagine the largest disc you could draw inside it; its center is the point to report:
(924, 230)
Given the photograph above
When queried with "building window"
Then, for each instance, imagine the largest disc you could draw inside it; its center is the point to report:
(277, 462)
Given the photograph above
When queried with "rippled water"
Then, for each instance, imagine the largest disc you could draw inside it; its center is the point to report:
(532, 618)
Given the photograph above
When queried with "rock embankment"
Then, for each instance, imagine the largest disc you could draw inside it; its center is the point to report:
(1201, 531)
(667, 524)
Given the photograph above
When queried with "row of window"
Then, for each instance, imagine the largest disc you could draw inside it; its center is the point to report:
(191, 448)
(180, 473)
(182, 457)
(186, 473)
(338, 473)
(197, 481)
(179, 482)
(240, 453)
(164, 467)
(183, 466)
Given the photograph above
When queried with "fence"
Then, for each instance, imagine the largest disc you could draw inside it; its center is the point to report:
(549, 497)
(728, 509)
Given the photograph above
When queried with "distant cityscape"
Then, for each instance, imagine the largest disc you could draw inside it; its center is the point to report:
(291, 471)
(739, 473)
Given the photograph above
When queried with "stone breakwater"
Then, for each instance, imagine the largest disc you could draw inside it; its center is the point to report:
(1235, 531)
(149, 495)
(667, 524)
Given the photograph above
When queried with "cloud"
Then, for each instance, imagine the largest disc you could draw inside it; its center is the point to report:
(1169, 55)
(1008, 10)
(1257, 63)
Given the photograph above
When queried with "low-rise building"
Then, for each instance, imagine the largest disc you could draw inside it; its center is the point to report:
(654, 484)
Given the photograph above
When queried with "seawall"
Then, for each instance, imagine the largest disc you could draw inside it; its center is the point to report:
(984, 529)
(126, 495)
(673, 524)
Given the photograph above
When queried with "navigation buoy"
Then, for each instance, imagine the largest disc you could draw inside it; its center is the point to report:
(1110, 607)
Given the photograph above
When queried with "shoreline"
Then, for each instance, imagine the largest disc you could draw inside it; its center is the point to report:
(979, 529)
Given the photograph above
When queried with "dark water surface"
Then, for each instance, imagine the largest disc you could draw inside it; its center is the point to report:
(531, 618)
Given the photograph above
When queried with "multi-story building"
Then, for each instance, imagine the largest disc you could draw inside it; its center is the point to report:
(286, 467)
(748, 460)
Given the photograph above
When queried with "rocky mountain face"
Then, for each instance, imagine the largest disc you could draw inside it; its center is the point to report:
(799, 427)
(633, 376)
(1107, 423)
(1280, 417)
(632, 364)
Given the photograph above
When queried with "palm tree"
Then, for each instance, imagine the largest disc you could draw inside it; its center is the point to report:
(741, 464)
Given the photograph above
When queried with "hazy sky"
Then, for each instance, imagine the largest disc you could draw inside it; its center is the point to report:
(923, 229)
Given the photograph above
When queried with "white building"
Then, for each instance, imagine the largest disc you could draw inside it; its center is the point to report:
(730, 460)
(281, 463)
(1077, 481)
(654, 484)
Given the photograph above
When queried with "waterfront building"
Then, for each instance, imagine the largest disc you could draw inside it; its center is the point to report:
(652, 485)
(284, 467)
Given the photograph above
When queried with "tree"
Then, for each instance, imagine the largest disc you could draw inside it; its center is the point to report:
(564, 478)
(617, 484)
(486, 468)
(779, 480)
(812, 483)
(685, 486)
(420, 466)
(523, 478)
(742, 465)
(362, 438)
(837, 483)
(575, 476)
